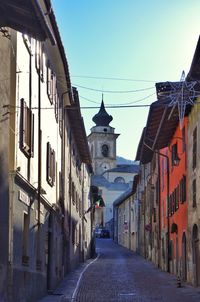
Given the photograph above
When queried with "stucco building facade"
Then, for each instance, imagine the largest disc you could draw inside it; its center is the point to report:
(42, 210)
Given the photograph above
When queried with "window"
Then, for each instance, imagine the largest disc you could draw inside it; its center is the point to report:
(77, 232)
(70, 184)
(173, 202)
(60, 187)
(39, 59)
(77, 202)
(170, 205)
(26, 130)
(25, 234)
(28, 43)
(80, 207)
(37, 55)
(56, 105)
(183, 189)
(194, 149)
(105, 150)
(60, 117)
(177, 198)
(50, 165)
(73, 232)
(51, 84)
(174, 155)
(73, 193)
(194, 196)
(183, 140)
(119, 180)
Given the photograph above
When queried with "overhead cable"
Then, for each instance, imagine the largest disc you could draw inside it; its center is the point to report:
(113, 91)
(112, 78)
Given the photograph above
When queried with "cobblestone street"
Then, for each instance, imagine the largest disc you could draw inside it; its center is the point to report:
(118, 275)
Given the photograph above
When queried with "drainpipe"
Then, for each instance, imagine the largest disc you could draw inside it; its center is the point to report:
(159, 213)
(130, 220)
(144, 196)
(63, 169)
(39, 164)
(82, 216)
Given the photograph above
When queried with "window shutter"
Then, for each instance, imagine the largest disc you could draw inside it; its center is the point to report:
(194, 151)
(53, 167)
(184, 188)
(26, 128)
(48, 162)
(23, 124)
(56, 104)
(49, 83)
(37, 55)
(41, 64)
(61, 121)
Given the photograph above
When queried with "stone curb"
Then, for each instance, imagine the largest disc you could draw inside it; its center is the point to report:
(66, 291)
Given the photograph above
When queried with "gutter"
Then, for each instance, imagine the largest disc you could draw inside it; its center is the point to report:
(44, 24)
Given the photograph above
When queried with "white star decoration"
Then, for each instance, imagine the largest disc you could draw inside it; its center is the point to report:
(181, 95)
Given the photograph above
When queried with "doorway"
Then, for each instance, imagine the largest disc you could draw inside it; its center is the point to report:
(184, 258)
(196, 255)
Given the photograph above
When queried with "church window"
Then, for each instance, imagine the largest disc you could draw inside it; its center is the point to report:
(120, 180)
(104, 150)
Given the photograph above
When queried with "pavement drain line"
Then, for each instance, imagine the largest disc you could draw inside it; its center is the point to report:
(80, 277)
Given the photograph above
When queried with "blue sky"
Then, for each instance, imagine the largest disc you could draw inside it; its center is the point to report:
(145, 41)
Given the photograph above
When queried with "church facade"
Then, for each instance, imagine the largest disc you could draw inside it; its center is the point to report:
(111, 178)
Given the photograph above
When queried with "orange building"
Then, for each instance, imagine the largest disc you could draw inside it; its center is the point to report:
(173, 203)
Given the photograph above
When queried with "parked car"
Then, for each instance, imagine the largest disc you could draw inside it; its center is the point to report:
(105, 233)
(98, 233)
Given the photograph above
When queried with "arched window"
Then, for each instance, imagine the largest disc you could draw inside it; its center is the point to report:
(105, 150)
(120, 180)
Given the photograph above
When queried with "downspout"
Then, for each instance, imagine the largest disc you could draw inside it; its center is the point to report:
(63, 177)
(144, 217)
(130, 219)
(82, 217)
(159, 213)
(39, 165)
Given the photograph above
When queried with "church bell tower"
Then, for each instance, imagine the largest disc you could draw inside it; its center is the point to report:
(102, 142)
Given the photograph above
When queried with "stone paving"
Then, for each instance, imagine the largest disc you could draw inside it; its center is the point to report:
(118, 275)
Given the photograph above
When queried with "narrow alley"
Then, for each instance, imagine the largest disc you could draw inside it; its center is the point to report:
(119, 275)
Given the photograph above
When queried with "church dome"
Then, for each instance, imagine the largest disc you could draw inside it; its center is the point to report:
(102, 118)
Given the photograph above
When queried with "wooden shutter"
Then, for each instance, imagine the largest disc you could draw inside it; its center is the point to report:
(49, 163)
(26, 129)
(37, 56)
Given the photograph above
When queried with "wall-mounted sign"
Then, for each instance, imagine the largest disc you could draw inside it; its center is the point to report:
(23, 197)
